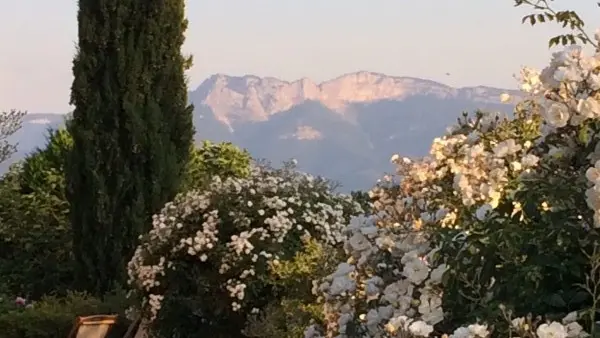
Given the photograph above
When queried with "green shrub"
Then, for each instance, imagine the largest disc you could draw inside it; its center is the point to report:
(222, 159)
(43, 170)
(35, 240)
(35, 234)
(290, 315)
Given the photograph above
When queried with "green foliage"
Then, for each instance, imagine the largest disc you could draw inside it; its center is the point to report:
(43, 170)
(35, 236)
(53, 317)
(291, 315)
(215, 159)
(131, 127)
(286, 318)
(362, 198)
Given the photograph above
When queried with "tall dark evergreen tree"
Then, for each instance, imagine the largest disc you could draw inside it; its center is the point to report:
(132, 129)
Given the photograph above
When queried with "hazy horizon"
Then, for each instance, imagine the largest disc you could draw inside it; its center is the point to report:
(476, 42)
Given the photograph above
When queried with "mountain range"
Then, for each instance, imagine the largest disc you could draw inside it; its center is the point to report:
(345, 129)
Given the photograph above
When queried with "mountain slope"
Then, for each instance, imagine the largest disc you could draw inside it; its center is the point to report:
(322, 141)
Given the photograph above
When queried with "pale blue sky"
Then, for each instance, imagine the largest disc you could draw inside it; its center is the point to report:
(479, 42)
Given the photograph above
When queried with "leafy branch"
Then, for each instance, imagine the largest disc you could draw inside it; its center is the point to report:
(545, 13)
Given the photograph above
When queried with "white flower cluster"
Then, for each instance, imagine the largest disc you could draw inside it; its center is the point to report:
(263, 211)
(567, 89)
(386, 286)
(480, 174)
(414, 279)
(567, 328)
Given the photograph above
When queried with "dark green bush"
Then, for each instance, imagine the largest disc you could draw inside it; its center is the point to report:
(35, 234)
(53, 317)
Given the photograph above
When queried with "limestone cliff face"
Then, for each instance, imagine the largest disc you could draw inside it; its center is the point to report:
(251, 98)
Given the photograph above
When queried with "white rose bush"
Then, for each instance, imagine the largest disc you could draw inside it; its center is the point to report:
(494, 234)
(217, 256)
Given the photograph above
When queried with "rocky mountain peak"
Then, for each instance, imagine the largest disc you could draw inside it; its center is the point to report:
(251, 98)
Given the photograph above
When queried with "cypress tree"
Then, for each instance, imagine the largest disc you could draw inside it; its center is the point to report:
(132, 130)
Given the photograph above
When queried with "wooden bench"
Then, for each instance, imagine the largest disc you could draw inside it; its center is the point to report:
(92, 326)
